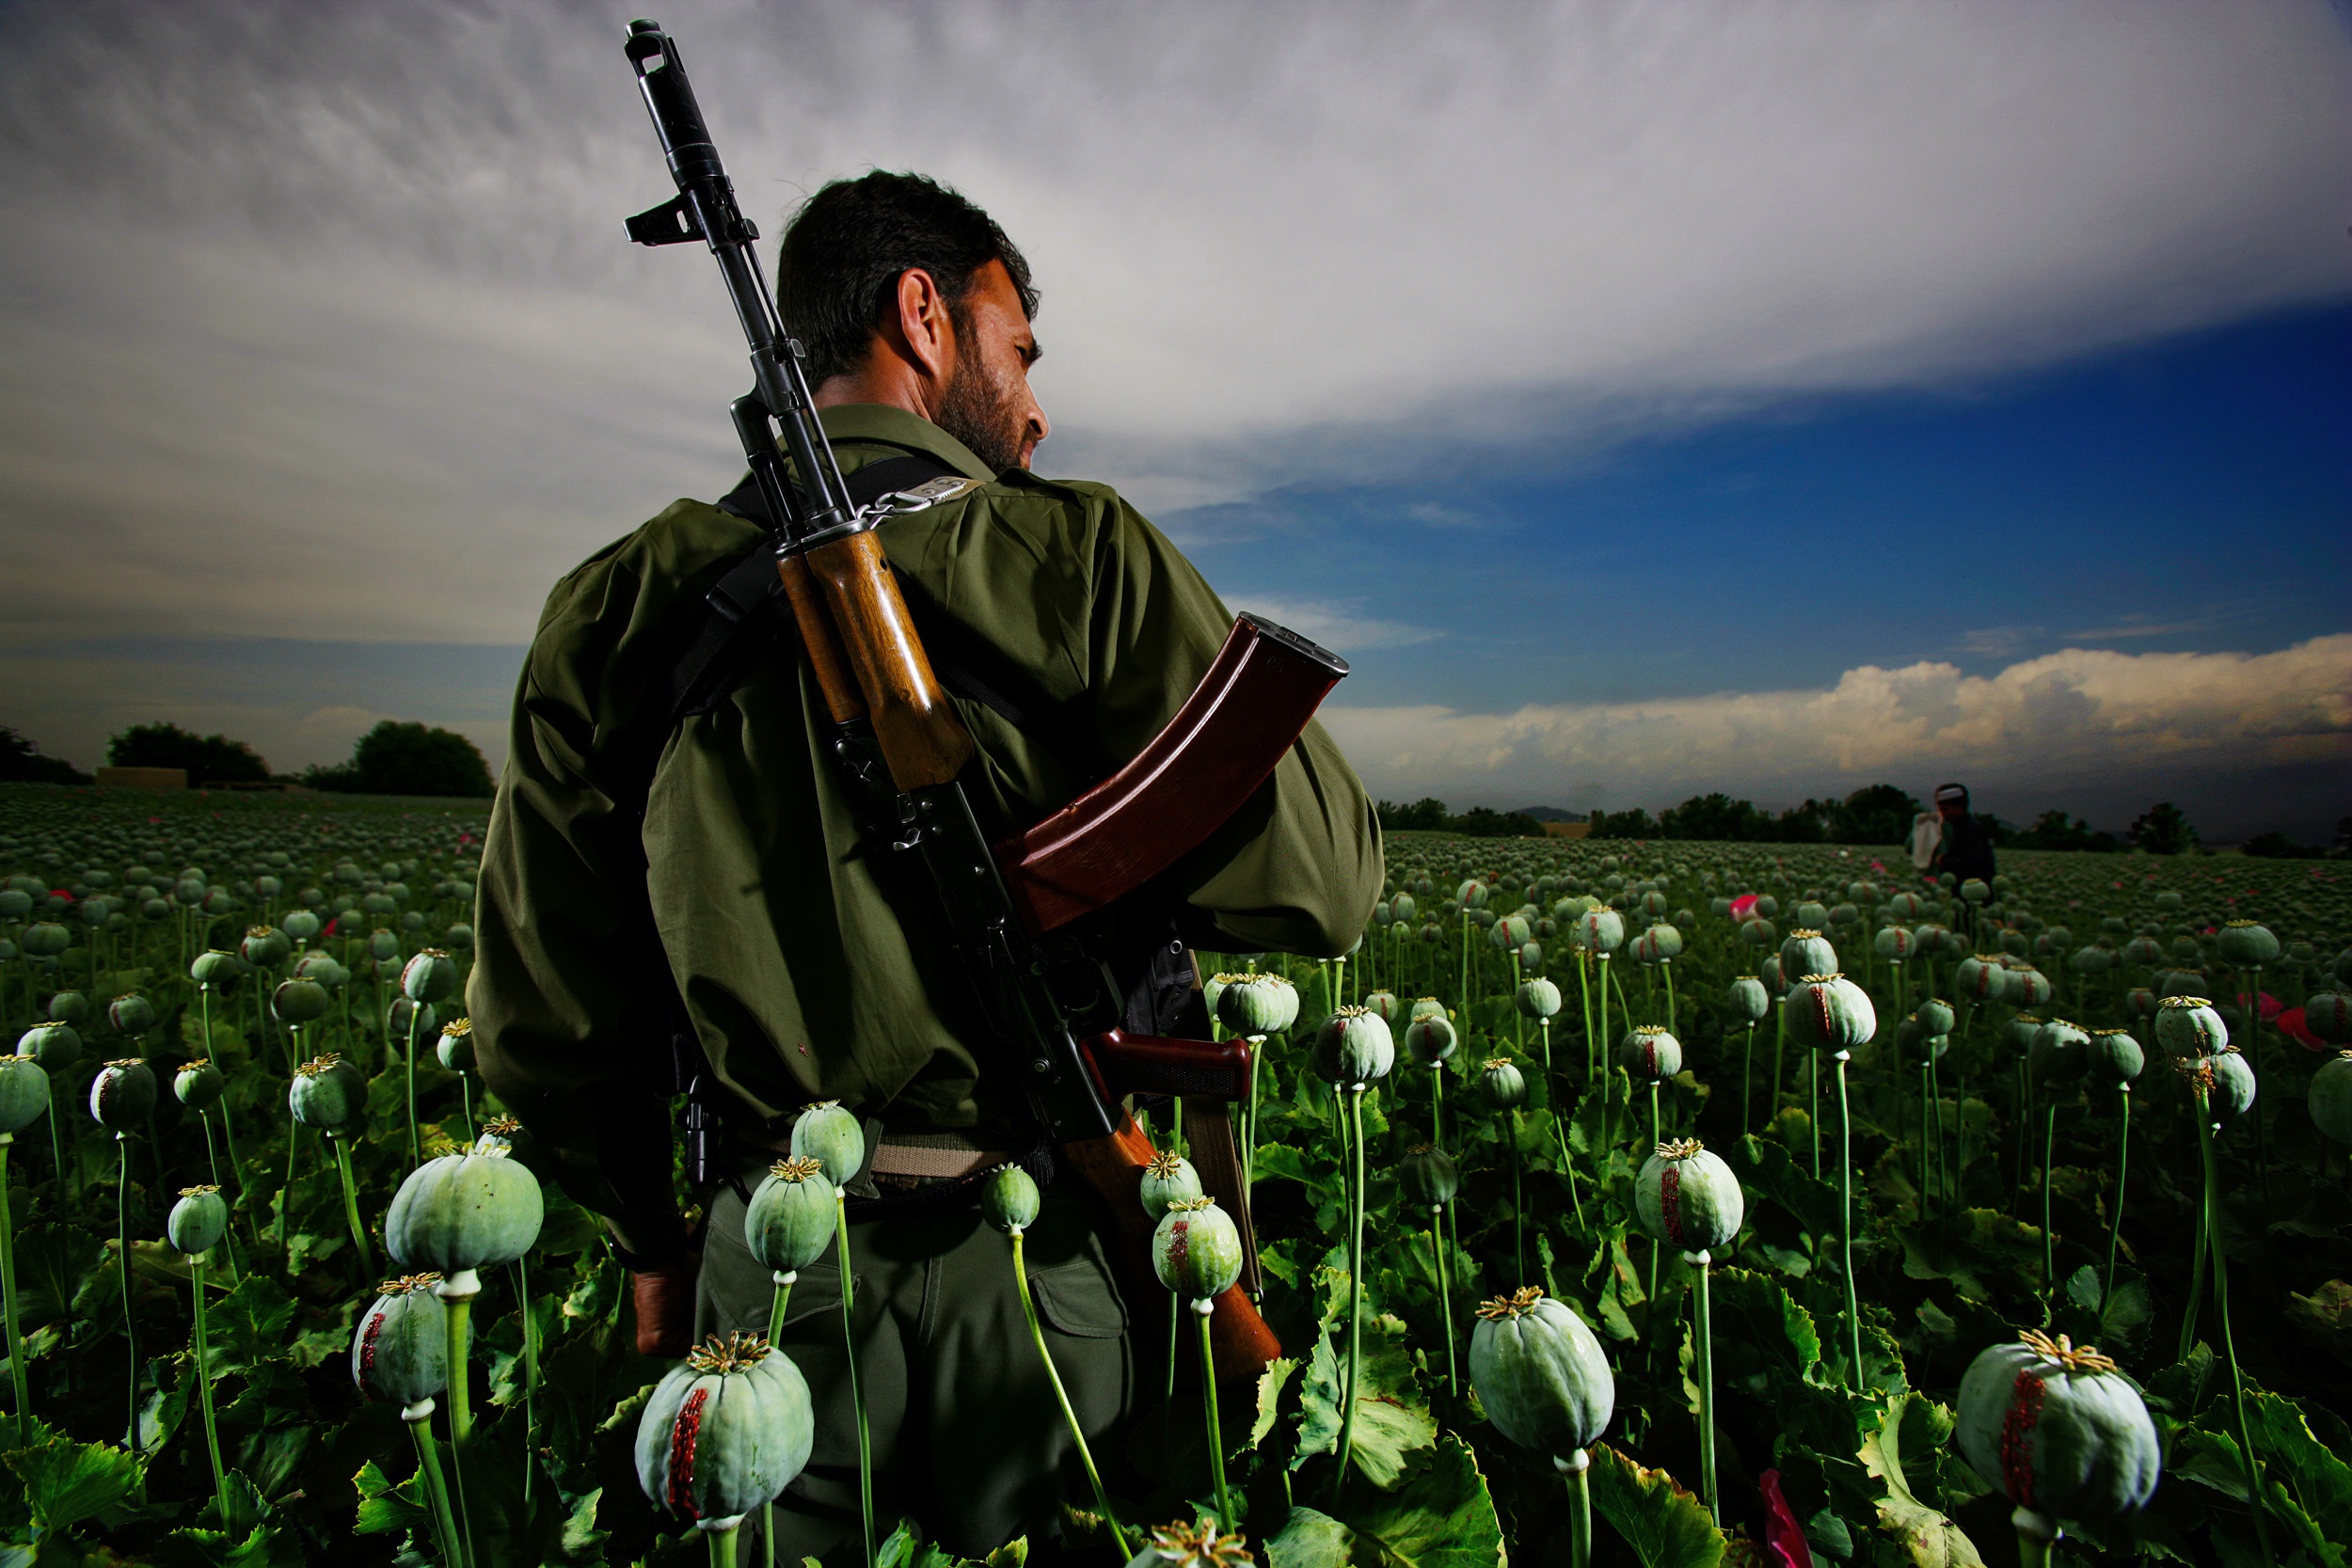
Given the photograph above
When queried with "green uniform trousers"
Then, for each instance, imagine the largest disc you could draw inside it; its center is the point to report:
(967, 1438)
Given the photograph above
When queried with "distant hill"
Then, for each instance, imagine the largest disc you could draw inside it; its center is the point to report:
(1551, 814)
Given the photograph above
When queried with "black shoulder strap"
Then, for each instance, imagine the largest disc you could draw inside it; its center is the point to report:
(736, 625)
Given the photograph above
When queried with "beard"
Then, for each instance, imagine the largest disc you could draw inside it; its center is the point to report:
(982, 409)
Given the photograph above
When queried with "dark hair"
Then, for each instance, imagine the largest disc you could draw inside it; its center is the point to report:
(843, 253)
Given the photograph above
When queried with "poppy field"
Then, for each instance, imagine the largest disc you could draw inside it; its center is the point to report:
(1671, 1203)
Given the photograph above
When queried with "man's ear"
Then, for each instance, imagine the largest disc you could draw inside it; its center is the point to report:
(925, 336)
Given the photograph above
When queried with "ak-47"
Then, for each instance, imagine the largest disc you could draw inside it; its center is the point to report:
(1018, 914)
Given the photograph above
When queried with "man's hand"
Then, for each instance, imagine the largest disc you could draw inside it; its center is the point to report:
(665, 1302)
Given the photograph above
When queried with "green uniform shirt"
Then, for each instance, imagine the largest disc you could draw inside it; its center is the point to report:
(726, 848)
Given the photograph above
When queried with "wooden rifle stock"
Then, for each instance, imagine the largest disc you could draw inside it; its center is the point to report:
(923, 741)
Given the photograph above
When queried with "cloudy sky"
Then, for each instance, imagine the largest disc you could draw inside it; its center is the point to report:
(1649, 398)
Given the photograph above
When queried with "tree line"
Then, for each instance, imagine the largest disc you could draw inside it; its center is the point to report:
(393, 758)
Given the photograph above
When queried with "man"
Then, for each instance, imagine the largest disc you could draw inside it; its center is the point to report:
(713, 868)
(1964, 849)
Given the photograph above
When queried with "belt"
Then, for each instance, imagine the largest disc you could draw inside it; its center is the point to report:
(909, 1159)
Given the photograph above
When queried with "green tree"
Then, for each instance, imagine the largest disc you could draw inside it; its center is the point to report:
(1880, 814)
(397, 758)
(1484, 822)
(2162, 829)
(1426, 815)
(20, 762)
(1714, 817)
(210, 759)
(1636, 823)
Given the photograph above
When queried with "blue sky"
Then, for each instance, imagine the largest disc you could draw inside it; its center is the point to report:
(2193, 493)
(1649, 396)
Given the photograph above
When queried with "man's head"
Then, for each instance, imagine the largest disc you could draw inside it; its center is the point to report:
(1952, 800)
(903, 292)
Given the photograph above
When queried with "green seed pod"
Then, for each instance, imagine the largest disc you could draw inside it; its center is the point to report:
(398, 1016)
(430, 977)
(456, 1049)
(15, 904)
(2019, 1032)
(2061, 1052)
(1428, 1006)
(1196, 1249)
(2030, 988)
(458, 937)
(46, 938)
(1353, 1047)
(1689, 1198)
(833, 1137)
(1540, 1374)
(328, 1093)
(301, 924)
(1979, 977)
(1600, 930)
(1383, 1005)
(1896, 943)
(1658, 944)
(1538, 998)
(465, 1211)
(382, 946)
(725, 1433)
(2246, 945)
(1009, 1199)
(399, 1351)
(1746, 999)
(1829, 1012)
(121, 1095)
(197, 1221)
(2088, 961)
(2115, 1056)
(1168, 1180)
(1257, 1004)
(2188, 1026)
(1430, 1038)
(68, 1006)
(1758, 932)
(2328, 1016)
(24, 1093)
(265, 946)
(1212, 989)
(299, 1002)
(2058, 1430)
(198, 1084)
(2227, 1077)
(131, 1014)
(2330, 1102)
(1511, 930)
(217, 971)
(1471, 894)
(55, 1046)
(1429, 1177)
(1649, 1053)
(1402, 909)
(1501, 1086)
(1936, 1017)
(1974, 891)
(1807, 952)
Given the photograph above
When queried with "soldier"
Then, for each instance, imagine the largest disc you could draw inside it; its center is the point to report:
(643, 867)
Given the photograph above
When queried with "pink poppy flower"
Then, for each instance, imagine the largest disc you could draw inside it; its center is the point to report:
(1743, 906)
(1785, 1545)
(2291, 1024)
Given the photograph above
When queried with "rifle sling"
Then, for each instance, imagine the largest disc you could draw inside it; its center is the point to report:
(743, 613)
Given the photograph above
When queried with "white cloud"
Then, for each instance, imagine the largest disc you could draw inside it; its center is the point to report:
(1342, 627)
(330, 332)
(2076, 719)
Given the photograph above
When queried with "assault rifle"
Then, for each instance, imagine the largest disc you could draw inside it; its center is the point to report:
(1018, 914)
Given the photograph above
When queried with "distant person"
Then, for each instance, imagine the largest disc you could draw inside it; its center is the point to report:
(1926, 836)
(1965, 849)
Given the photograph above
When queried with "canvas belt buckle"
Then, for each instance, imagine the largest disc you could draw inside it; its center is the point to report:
(945, 1156)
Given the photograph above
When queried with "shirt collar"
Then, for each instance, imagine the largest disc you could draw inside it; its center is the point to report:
(881, 422)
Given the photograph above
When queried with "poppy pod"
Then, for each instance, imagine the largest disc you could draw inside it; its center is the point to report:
(1896, 943)
(1746, 1001)
(1502, 1085)
(1600, 930)
(430, 977)
(465, 1211)
(790, 1219)
(2115, 1056)
(197, 1221)
(834, 1138)
(1168, 1180)
(2330, 1102)
(1257, 1004)
(1807, 952)
(24, 1093)
(328, 1093)
(2060, 1053)
(1687, 1198)
(724, 1431)
(2060, 1432)
(2030, 988)
(1936, 1017)
(1354, 1048)
(1649, 1053)
(131, 1014)
(2328, 1016)
(1009, 1199)
(2246, 945)
(1538, 998)
(2189, 1026)
(399, 1351)
(1541, 1375)
(1431, 1039)
(1196, 1249)
(299, 1002)
(1429, 1175)
(56, 1046)
(123, 1094)
(1828, 1012)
